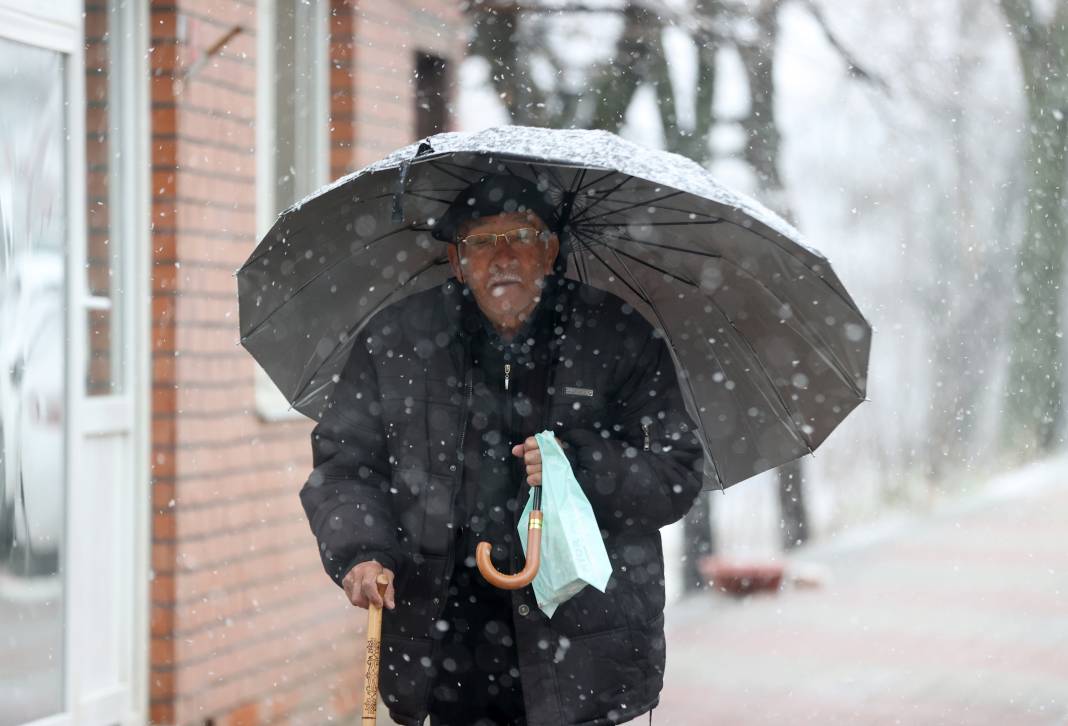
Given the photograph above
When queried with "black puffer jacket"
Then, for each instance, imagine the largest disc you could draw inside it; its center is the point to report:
(387, 486)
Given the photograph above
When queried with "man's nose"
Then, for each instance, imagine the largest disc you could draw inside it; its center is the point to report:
(503, 254)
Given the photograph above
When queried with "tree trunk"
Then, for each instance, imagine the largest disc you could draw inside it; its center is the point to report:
(698, 541)
(1034, 406)
(1034, 417)
(794, 522)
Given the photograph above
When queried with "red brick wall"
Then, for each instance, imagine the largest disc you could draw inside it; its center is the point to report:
(388, 36)
(246, 628)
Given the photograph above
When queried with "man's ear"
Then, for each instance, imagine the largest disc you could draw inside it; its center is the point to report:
(453, 251)
(552, 250)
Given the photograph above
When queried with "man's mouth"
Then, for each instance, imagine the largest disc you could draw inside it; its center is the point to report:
(501, 284)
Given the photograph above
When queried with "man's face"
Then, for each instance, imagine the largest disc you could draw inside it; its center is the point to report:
(505, 280)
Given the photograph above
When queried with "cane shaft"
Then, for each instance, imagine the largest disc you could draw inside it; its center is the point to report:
(374, 653)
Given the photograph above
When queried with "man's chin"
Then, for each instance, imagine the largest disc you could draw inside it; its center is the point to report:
(512, 302)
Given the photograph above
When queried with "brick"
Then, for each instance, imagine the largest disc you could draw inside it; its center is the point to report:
(162, 24)
(164, 526)
(162, 457)
(161, 712)
(161, 683)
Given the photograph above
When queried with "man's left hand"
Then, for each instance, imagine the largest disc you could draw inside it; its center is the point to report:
(529, 452)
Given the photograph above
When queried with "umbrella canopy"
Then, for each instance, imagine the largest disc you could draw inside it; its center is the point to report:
(770, 349)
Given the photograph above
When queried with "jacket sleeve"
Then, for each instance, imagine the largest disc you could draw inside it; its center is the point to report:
(347, 497)
(631, 484)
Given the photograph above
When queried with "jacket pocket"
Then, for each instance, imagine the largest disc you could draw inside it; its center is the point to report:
(596, 675)
(425, 510)
(438, 530)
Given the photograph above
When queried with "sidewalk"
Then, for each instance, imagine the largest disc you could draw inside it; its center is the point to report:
(960, 617)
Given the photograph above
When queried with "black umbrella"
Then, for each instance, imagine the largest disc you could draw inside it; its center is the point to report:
(770, 349)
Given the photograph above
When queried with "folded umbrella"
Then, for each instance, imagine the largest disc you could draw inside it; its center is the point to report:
(770, 349)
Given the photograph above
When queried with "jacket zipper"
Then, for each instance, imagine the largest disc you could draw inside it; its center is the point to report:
(511, 437)
(645, 429)
(463, 418)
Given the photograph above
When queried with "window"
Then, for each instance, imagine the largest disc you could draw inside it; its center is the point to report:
(292, 136)
(431, 95)
(104, 195)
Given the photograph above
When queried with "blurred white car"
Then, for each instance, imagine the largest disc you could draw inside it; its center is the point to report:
(32, 403)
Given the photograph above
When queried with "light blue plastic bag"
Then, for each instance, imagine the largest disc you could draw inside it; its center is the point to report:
(572, 551)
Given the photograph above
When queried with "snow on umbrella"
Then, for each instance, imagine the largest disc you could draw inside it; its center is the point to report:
(770, 349)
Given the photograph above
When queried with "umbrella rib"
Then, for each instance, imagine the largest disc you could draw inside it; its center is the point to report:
(745, 420)
(578, 181)
(420, 195)
(458, 177)
(568, 200)
(660, 245)
(660, 208)
(256, 328)
(387, 195)
(771, 239)
(618, 252)
(658, 268)
(473, 169)
(792, 427)
(579, 262)
(584, 259)
(645, 203)
(745, 340)
(534, 173)
(351, 330)
(806, 331)
(671, 344)
(596, 181)
(686, 223)
(598, 199)
(639, 294)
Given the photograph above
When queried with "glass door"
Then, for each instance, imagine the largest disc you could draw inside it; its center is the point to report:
(33, 388)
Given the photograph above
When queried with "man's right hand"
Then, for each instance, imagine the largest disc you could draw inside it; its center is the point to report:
(362, 589)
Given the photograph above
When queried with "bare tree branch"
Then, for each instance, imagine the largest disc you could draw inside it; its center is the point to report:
(853, 66)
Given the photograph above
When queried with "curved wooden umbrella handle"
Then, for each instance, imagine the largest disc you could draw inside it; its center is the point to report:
(525, 576)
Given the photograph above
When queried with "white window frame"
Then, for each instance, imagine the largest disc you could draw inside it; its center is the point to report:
(313, 61)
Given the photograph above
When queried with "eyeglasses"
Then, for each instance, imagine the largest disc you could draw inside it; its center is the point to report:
(522, 238)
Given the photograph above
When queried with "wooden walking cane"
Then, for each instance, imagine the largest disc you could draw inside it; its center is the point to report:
(525, 576)
(374, 652)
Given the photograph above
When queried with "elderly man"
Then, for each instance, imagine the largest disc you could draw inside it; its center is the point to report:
(428, 449)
